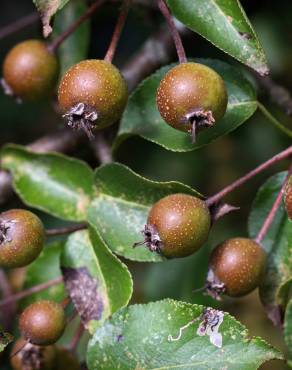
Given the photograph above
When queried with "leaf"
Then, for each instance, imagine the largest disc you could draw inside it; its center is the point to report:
(120, 210)
(5, 339)
(105, 284)
(277, 242)
(137, 337)
(47, 8)
(45, 268)
(288, 330)
(75, 47)
(59, 185)
(142, 117)
(225, 24)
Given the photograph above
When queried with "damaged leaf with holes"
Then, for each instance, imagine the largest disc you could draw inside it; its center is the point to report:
(165, 335)
(95, 280)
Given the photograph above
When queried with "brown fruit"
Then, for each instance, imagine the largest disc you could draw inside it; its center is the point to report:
(22, 238)
(43, 322)
(31, 357)
(288, 199)
(93, 94)
(236, 267)
(30, 70)
(177, 225)
(191, 96)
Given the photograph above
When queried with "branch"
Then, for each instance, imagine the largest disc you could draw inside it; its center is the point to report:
(26, 293)
(242, 180)
(18, 25)
(9, 307)
(271, 215)
(101, 148)
(66, 230)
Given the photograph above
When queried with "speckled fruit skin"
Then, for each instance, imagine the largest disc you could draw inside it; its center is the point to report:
(98, 84)
(42, 322)
(26, 236)
(30, 70)
(183, 223)
(240, 264)
(24, 357)
(190, 87)
(66, 360)
(288, 199)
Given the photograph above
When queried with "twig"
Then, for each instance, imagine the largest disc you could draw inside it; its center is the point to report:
(76, 338)
(18, 25)
(102, 149)
(273, 120)
(53, 46)
(10, 309)
(66, 230)
(271, 215)
(277, 93)
(118, 30)
(242, 180)
(173, 30)
(26, 293)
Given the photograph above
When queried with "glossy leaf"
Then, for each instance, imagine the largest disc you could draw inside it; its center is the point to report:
(142, 117)
(120, 210)
(75, 47)
(45, 268)
(138, 337)
(48, 8)
(54, 183)
(91, 268)
(277, 242)
(225, 24)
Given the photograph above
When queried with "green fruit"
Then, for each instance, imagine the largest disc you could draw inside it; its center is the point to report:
(30, 70)
(22, 238)
(288, 199)
(93, 94)
(236, 267)
(31, 357)
(191, 96)
(43, 322)
(177, 225)
(66, 360)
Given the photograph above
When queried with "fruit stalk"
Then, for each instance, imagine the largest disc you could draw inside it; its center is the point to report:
(66, 230)
(174, 32)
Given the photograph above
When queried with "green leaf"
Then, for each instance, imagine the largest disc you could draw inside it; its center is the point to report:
(54, 183)
(142, 117)
(48, 8)
(288, 330)
(45, 268)
(120, 210)
(75, 47)
(92, 272)
(224, 23)
(5, 339)
(138, 337)
(277, 241)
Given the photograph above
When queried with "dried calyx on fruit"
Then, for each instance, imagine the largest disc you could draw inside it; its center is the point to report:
(288, 198)
(42, 322)
(30, 71)
(236, 268)
(92, 94)
(27, 356)
(22, 238)
(177, 226)
(191, 96)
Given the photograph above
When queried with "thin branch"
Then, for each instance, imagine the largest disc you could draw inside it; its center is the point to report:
(242, 180)
(173, 30)
(118, 30)
(9, 309)
(102, 149)
(273, 120)
(271, 215)
(53, 46)
(19, 25)
(76, 338)
(277, 93)
(26, 293)
(66, 230)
